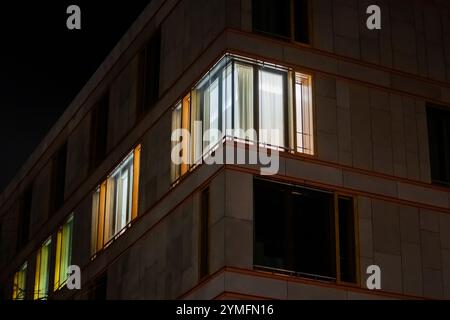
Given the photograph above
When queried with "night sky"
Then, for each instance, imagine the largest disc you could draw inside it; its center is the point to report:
(43, 66)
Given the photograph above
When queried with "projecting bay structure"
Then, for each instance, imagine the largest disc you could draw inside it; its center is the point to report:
(364, 159)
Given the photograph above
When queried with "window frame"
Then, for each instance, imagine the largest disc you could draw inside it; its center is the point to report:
(337, 261)
(292, 25)
(294, 108)
(24, 221)
(21, 275)
(99, 205)
(195, 113)
(40, 283)
(257, 105)
(58, 178)
(433, 111)
(59, 279)
(354, 199)
(204, 234)
(99, 118)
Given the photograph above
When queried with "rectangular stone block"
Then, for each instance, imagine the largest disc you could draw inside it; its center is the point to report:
(386, 227)
(431, 250)
(409, 224)
(391, 269)
(412, 269)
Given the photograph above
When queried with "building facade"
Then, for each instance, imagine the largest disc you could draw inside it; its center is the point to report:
(355, 121)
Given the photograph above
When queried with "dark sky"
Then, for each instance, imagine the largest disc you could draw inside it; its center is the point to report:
(43, 65)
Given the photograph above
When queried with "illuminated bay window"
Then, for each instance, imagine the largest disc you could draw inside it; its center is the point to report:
(115, 202)
(245, 100)
(63, 253)
(211, 105)
(42, 276)
(20, 283)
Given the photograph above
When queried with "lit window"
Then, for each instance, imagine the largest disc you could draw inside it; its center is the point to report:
(20, 283)
(245, 100)
(211, 104)
(42, 277)
(63, 253)
(115, 202)
(303, 114)
(176, 125)
(181, 120)
(211, 113)
(272, 108)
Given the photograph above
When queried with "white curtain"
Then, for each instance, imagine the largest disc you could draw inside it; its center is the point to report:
(227, 100)
(119, 198)
(271, 108)
(124, 195)
(243, 104)
(211, 114)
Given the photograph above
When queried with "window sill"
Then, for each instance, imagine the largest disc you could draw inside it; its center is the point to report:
(295, 274)
(243, 144)
(110, 242)
(305, 277)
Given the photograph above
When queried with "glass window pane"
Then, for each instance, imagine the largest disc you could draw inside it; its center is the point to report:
(176, 124)
(211, 107)
(119, 198)
(271, 108)
(347, 242)
(110, 208)
(65, 244)
(227, 87)
(20, 279)
(272, 17)
(304, 114)
(42, 271)
(243, 101)
(301, 20)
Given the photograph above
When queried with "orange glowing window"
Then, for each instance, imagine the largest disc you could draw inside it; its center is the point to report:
(115, 202)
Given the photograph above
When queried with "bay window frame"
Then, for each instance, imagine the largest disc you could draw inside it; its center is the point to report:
(100, 199)
(194, 110)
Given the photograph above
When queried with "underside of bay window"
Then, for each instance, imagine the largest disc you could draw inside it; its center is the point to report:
(244, 100)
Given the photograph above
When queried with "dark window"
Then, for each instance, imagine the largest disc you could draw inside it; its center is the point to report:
(99, 288)
(2, 250)
(99, 132)
(288, 19)
(58, 178)
(151, 57)
(439, 142)
(301, 21)
(272, 17)
(295, 232)
(347, 241)
(24, 218)
(204, 234)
